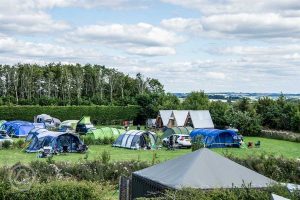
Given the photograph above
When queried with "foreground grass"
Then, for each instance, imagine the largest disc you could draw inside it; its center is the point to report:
(268, 146)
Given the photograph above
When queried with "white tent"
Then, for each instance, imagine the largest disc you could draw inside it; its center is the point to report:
(178, 118)
(163, 117)
(199, 119)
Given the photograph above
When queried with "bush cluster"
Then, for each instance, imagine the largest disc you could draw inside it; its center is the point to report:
(89, 140)
(276, 168)
(98, 114)
(245, 193)
(281, 135)
(101, 169)
(68, 190)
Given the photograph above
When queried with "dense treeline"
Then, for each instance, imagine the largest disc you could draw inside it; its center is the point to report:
(246, 115)
(61, 84)
(65, 85)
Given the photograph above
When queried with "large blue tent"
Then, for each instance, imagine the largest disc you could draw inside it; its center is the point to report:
(56, 140)
(19, 128)
(215, 138)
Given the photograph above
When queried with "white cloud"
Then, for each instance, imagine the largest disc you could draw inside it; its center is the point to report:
(11, 47)
(216, 75)
(19, 17)
(253, 25)
(183, 25)
(151, 51)
(141, 38)
(209, 7)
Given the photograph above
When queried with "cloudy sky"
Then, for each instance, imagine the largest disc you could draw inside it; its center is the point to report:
(212, 45)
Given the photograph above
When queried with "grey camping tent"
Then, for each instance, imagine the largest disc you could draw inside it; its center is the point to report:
(163, 117)
(202, 169)
(199, 119)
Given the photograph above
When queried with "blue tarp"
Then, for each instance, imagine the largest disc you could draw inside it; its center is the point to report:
(215, 138)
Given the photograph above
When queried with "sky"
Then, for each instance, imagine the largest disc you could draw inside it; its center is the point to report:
(188, 45)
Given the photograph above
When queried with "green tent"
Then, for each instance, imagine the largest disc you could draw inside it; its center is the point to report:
(107, 132)
(176, 130)
(85, 120)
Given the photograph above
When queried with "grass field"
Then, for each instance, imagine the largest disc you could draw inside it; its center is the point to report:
(268, 146)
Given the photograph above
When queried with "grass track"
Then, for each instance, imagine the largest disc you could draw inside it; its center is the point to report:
(268, 146)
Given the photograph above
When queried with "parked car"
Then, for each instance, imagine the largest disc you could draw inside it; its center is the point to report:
(180, 140)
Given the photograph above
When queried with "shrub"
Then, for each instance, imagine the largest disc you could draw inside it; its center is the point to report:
(19, 143)
(60, 190)
(245, 193)
(197, 143)
(277, 168)
(6, 144)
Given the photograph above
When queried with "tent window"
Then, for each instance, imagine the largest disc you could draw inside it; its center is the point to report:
(124, 140)
(119, 140)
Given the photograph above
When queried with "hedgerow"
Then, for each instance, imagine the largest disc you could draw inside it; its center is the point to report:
(98, 114)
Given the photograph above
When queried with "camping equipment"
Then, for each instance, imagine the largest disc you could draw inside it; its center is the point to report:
(201, 169)
(135, 139)
(215, 138)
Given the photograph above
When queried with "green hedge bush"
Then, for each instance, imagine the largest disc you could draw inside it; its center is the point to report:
(246, 193)
(98, 114)
(68, 190)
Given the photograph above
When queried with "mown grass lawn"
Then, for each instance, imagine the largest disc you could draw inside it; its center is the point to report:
(268, 146)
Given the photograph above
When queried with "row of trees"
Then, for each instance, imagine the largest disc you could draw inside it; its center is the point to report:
(60, 84)
(246, 115)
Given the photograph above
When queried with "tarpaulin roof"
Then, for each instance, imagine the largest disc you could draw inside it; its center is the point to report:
(201, 119)
(180, 117)
(165, 116)
(203, 169)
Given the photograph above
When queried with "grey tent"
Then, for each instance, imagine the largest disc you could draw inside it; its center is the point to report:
(178, 118)
(202, 169)
(199, 119)
(163, 117)
(277, 197)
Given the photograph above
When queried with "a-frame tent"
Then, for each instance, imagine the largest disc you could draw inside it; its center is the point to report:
(163, 117)
(178, 118)
(201, 169)
(199, 119)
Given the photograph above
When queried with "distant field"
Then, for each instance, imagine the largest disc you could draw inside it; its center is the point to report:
(268, 146)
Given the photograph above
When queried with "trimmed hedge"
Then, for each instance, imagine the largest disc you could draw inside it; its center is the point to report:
(281, 135)
(246, 193)
(59, 190)
(98, 114)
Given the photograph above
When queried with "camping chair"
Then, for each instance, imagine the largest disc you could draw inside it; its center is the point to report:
(257, 144)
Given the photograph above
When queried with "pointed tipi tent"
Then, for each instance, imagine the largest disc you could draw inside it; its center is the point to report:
(199, 119)
(178, 118)
(163, 117)
(203, 169)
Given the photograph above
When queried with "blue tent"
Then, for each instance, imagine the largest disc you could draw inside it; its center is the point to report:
(34, 132)
(19, 128)
(215, 138)
(57, 140)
